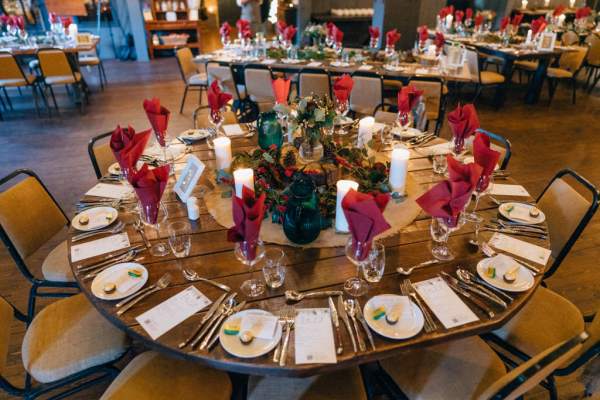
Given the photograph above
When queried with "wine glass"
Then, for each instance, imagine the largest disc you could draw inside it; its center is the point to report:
(152, 216)
(225, 40)
(250, 253)
(404, 120)
(440, 230)
(341, 109)
(484, 186)
(373, 270)
(215, 117)
(458, 146)
(358, 253)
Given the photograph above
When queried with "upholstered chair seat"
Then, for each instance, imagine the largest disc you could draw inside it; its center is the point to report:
(56, 266)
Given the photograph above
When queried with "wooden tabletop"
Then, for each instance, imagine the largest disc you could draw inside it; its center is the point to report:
(32, 50)
(211, 255)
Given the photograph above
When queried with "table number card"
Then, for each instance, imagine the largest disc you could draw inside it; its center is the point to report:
(314, 337)
(99, 246)
(520, 248)
(110, 191)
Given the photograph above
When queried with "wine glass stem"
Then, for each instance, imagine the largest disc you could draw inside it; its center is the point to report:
(477, 197)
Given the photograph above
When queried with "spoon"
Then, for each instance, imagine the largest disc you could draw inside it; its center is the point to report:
(193, 276)
(295, 296)
(408, 271)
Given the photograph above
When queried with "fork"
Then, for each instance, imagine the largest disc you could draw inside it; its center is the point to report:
(282, 322)
(406, 291)
(193, 276)
(161, 284)
(118, 228)
(139, 227)
(488, 251)
(289, 321)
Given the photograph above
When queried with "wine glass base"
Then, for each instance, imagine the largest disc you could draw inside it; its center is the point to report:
(442, 253)
(473, 217)
(356, 287)
(159, 250)
(253, 288)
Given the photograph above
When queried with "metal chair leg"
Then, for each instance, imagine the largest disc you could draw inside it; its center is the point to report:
(53, 98)
(100, 77)
(35, 100)
(103, 73)
(7, 98)
(183, 99)
(551, 90)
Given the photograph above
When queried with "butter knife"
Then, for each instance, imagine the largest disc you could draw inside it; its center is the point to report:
(336, 323)
(361, 318)
(489, 296)
(478, 303)
(205, 318)
(346, 320)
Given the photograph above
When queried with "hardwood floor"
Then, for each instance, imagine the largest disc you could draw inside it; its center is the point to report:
(545, 139)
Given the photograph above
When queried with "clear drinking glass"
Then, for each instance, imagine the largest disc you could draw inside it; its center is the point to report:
(249, 254)
(440, 230)
(273, 268)
(152, 218)
(374, 269)
(180, 239)
(440, 164)
(484, 186)
(358, 254)
(341, 109)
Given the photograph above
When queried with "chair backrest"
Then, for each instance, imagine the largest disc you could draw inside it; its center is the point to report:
(54, 62)
(472, 63)
(593, 56)
(29, 215)
(185, 61)
(529, 374)
(10, 68)
(6, 319)
(567, 212)
(314, 82)
(367, 93)
(501, 144)
(569, 38)
(200, 117)
(258, 84)
(385, 117)
(101, 154)
(573, 60)
(432, 92)
(224, 75)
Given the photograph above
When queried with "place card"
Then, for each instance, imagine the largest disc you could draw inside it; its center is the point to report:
(110, 191)
(314, 64)
(314, 337)
(499, 189)
(233, 130)
(99, 246)
(365, 68)
(520, 248)
(170, 313)
(445, 303)
(261, 325)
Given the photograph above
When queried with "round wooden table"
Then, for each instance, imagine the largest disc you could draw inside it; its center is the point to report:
(212, 257)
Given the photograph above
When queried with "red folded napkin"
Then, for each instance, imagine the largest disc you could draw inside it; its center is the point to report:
(127, 147)
(459, 172)
(242, 25)
(281, 90)
(458, 16)
(446, 200)
(423, 32)
(149, 185)
(158, 117)
(516, 20)
(329, 27)
(280, 27)
(289, 33)
(463, 123)
(392, 37)
(374, 32)
(445, 11)
(338, 35)
(364, 214)
(342, 87)
(408, 97)
(559, 10)
(216, 98)
(247, 33)
(439, 41)
(53, 18)
(478, 20)
(16, 21)
(248, 214)
(225, 29)
(583, 12)
(469, 13)
(486, 158)
(538, 25)
(66, 21)
(504, 23)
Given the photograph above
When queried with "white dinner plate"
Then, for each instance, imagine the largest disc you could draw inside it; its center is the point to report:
(256, 348)
(114, 169)
(470, 159)
(410, 323)
(507, 210)
(118, 274)
(504, 263)
(99, 217)
(194, 134)
(406, 133)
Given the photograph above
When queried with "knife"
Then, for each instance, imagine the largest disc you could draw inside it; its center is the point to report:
(235, 310)
(364, 324)
(481, 292)
(204, 319)
(336, 322)
(344, 317)
(480, 304)
(109, 257)
(211, 321)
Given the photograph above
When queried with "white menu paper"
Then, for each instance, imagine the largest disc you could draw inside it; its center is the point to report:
(110, 191)
(170, 313)
(261, 325)
(268, 61)
(99, 246)
(445, 303)
(233, 130)
(314, 337)
(313, 64)
(499, 189)
(520, 248)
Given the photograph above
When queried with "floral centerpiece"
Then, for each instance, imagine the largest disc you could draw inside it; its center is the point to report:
(315, 33)
(313, 115)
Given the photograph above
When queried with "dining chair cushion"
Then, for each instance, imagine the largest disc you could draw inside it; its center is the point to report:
(63, 79)
(198, 79)
(491, 78)
(6, 318)
(345, 384)
(559, 73)
(366, 94)
(526, 65)
(546, 320)
(11, 73)
(313, 84)
(392, 84)
(89, 60)
(67, 337)
(17, 82)
(56, 265)
(258, 85)
(569, 38)
(30, 226)
(460, 369)
(593, 56)
(152, 376)
(385, 117)
(573, 60)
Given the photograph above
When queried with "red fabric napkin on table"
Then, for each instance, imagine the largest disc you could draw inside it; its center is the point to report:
(516, 20)
(342, 87)
(458, 16)
(364, 214)
(408, 97)
(392, 37)
(446, 200)
(149, 185)
(280, 27)
(374, 32)
(439, 41)
(504, 23)
(225, 29)
(423, 32)
(216, 98)
(478, 20)
(538, 25)
(559, 10)
(463, 123)
(248, 214)
(127, 147)
(583, 12)
(158, 117)
(486, 158)
(289, 33)
(459, 172)
(338, 35)
(281, 90)
(469, 13)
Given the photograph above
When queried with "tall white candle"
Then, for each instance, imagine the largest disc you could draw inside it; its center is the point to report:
(449, 19)
(365, 131)
(243, 177)
(572, 3)
(561, 19)
(399, 169)
(529, 36)
(73, 31)
(524, 4)
(222, 152)
(343, 187)
(546, 3)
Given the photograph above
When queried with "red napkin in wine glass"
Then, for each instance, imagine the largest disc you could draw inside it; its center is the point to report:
(469, 13)
(504, 23)
(463, 123)
(248, 214)
(445, 11)
(342, 87)
(216, 98)
(423, 32)
(280, 27)
(559, 10)
(538, 25)
(242, 25)
(66, 21)
(127, 147)
(439, 41)
(247, 33)
(52, 17)
(478, 20)
(158, 117)
(329, 27)
(408, 97)
(337, 34)
(458, 16)
(516, 20)
(364, 214)
(446, 200)
(281, 90)
(289, 33)
(374, 32)
(149, 185)
(459, 172)
(485, 157)
(583, 12)
(225, 29)
(392, 37)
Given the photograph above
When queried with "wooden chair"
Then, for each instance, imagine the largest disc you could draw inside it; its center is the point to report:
(367, 93)
(501, 144)
(101, 155)
(434, 92)
(592, 62)
(258, 85)
(200, 116)
(481, 79)
(30, 217)
(569, 65)
(67, 345)
(194, 77)
(314, 82)
(469, 369)
(569, 38)
(152, 376)
(13, 76)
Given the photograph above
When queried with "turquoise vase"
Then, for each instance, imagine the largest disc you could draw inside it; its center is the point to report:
(269, 130)
(302, 219)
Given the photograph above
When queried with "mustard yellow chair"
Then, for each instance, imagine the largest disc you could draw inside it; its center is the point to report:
(152, 376)
(592, 61)
(194, 76)
(30, 217)
(569, 65)
(101, 154)
(67, 344)
(200, 116)
(481, 79)
(13, 76)
(92, 59)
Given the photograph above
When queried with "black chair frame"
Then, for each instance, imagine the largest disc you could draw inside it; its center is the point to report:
(92, 155)
(505, 142)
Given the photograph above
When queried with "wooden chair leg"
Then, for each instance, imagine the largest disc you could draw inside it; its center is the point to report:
(183, 99)
(574, 85)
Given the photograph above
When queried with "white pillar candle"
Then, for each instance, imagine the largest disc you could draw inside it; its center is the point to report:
(572, 3)
(399, 169)
(193, 209)
(73, 31)
(243, 177)
(222, 152)
(524, 4)
(546, 3)
(561, 19)
(449, 19)
(529, 36)
(365, 131)
(343, 187)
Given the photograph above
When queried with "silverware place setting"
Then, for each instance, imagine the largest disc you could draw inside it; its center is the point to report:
(293, 296)
(206, 319)
(289, 316)
(350, 307)
(407, 289)
(111, 230)
(208, 329)
(454, 285)
(110, 258)
(193, 276)
(129, 302)
(488, 251)
(408, 271)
